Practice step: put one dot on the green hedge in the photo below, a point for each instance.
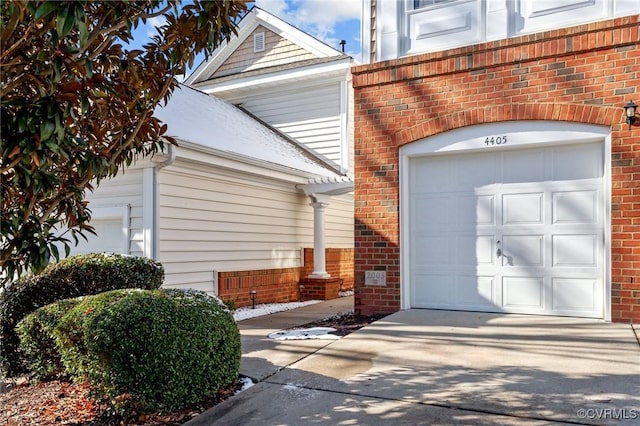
(72, 277)
(38, 341)
(163, 349)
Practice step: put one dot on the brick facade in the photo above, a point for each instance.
(582, 74)
(283, 285)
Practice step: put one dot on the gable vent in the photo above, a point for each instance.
(258, 42)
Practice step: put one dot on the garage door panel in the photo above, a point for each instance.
(429, 173)
(474, 292)
(475, 250)
(578, 162)
(525, 294)
(577, 251)
(519, 209)
(432, 250)
(574, 295)
(523, 168)
(475, 210)
(473, 171)
(523, 250)
(433, 290)
(432, 213)
(575, 207)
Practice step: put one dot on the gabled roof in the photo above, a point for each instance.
(209, 122)
(255, 18)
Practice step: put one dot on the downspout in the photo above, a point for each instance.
(151, 204)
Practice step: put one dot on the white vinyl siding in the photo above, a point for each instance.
(222, 220)
(311, 115)
(124, 190)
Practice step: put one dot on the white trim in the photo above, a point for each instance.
(311, 73)
(520, 134)
(607, 227)
(205, 155)
(344, 126)
(148, 211)
(365, 32)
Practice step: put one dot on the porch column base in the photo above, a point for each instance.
(320, 288)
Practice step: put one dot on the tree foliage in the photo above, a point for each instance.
(77, 105)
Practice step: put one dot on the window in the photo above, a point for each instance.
(112, 228)
(417, 4)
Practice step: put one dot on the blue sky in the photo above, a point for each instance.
(327, 20)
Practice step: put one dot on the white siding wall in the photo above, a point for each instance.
(221, 220)
(311, 115)
(123, 190)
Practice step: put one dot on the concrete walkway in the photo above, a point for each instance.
(440, 368)
(263, 357)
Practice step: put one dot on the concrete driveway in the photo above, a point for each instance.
(443, 367)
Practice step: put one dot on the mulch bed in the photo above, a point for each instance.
(345, 323)
(64, 403)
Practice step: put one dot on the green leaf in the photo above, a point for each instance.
(84, 34)
(45, 8)
(64, 22)
(88, 67)
(46, 130)
(54, 251)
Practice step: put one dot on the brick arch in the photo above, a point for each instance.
(586, 114)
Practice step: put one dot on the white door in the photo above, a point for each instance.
(518, 231)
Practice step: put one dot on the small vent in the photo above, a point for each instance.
(258, 42)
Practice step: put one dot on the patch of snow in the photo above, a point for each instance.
(299, 392)
(268, 308)
(346, 293)
(246, 384)
(305, 334)
(191, 115)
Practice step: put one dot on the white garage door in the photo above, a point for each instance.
(518, 231)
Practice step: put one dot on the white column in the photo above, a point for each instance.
(319, 262)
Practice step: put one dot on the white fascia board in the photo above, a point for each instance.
(338, 69)
(204, 155)
(245, 27)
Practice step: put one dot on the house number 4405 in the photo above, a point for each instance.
(495, 140)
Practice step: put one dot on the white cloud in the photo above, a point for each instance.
(153, 23)
(316, 17)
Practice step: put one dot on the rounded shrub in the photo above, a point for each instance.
(154, 350)
(38, 342)
(71, 277)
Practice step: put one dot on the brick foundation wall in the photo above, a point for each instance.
(320, 288)
(282, 285)
(271, 286)
(582, 74)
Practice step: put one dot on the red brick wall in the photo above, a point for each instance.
(282, 285)
(339, 262)
(580, 74)
(271, 285)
